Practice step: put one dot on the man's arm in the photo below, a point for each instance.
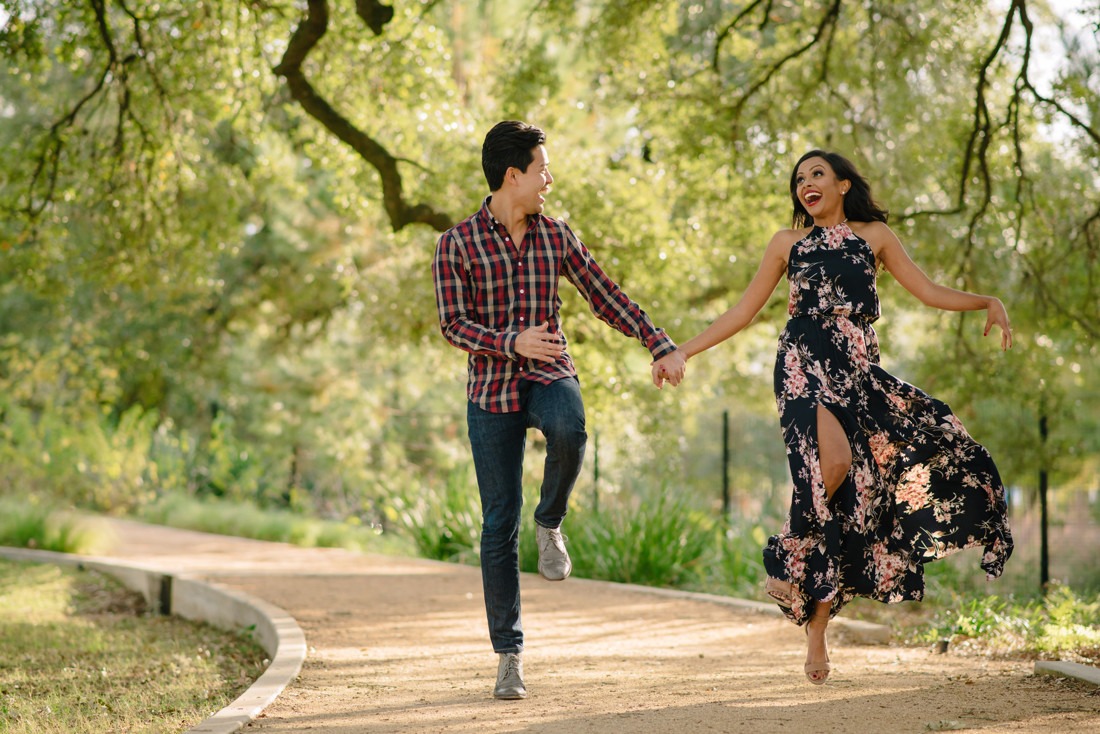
(608, 301)
(453, 300)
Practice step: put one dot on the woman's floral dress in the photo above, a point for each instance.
(919, 487)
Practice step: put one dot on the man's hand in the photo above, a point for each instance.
(538, 343)
(670, 367)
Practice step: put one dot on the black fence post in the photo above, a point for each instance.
(596, 472)
(725, 462)
(1044, 547)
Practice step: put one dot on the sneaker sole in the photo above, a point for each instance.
(559, 578)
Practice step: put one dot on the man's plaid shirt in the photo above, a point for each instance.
(487, 291)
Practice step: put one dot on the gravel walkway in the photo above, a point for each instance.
(400, 645)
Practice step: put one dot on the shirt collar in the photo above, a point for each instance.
(490, 222)
(486, 216)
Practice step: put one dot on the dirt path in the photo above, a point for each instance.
(400, 645)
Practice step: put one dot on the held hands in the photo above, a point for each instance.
(670, 367)
(538, 343)
(997, 315)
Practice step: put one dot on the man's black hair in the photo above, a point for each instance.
(510, 144)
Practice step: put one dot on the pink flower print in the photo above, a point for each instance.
(955, 425)
(887, 567)
(794, 546)
(792, 299)
(817, 487)
(796, 567)
(913, 487)
(990, 494)
(864, 483)
(882, 449)
(942, 511)
(795, 382)
(859, 358)
(835, 236)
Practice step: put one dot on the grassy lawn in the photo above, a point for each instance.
(80, 654)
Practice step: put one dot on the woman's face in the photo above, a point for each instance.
(818, 189)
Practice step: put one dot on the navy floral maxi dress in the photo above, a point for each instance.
(919, 487)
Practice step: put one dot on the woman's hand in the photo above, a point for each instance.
(997, 315)
(670, 367)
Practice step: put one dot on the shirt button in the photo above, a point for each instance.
(521, 318)
(521, 291)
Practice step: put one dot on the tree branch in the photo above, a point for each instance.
(733, 24)
(302, 42)
(828, 22)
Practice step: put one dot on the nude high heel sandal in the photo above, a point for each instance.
(781, 591)
(814, 669)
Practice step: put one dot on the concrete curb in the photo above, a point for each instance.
(1085, 673)
(864, 633)
(190, 598)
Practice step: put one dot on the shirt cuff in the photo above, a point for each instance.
(508, 344)
(661, 345)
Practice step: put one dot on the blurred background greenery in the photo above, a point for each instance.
(216, 307)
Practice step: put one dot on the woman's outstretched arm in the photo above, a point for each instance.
(772, 266)
(892, 255)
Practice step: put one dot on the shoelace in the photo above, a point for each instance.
(554, 539)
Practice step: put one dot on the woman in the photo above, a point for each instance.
(885, 477)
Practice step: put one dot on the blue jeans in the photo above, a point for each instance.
(498, 441)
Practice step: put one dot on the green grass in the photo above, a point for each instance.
(29, 524)
(653, 540)
(78, 655)
(247, 520)
(649, 536)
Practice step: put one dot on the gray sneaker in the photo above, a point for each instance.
(510, 677)
(554, 563)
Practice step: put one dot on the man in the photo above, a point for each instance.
(496, 286)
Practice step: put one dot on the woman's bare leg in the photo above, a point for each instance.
(833, 451)
(817, 649)
(835, 454)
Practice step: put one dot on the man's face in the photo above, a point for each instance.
(533, 184)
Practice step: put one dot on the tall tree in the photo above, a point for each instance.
(213, 208)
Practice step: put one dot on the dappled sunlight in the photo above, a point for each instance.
(391, 652)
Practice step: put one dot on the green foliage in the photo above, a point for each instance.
(247, 520)
(652, 537)
(1060, 624)
(83, 460)
(444, 523)
(734, 564)
(202, 294)
(26, 524)
(655, 539)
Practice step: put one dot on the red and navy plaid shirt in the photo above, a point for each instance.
(488, 291)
